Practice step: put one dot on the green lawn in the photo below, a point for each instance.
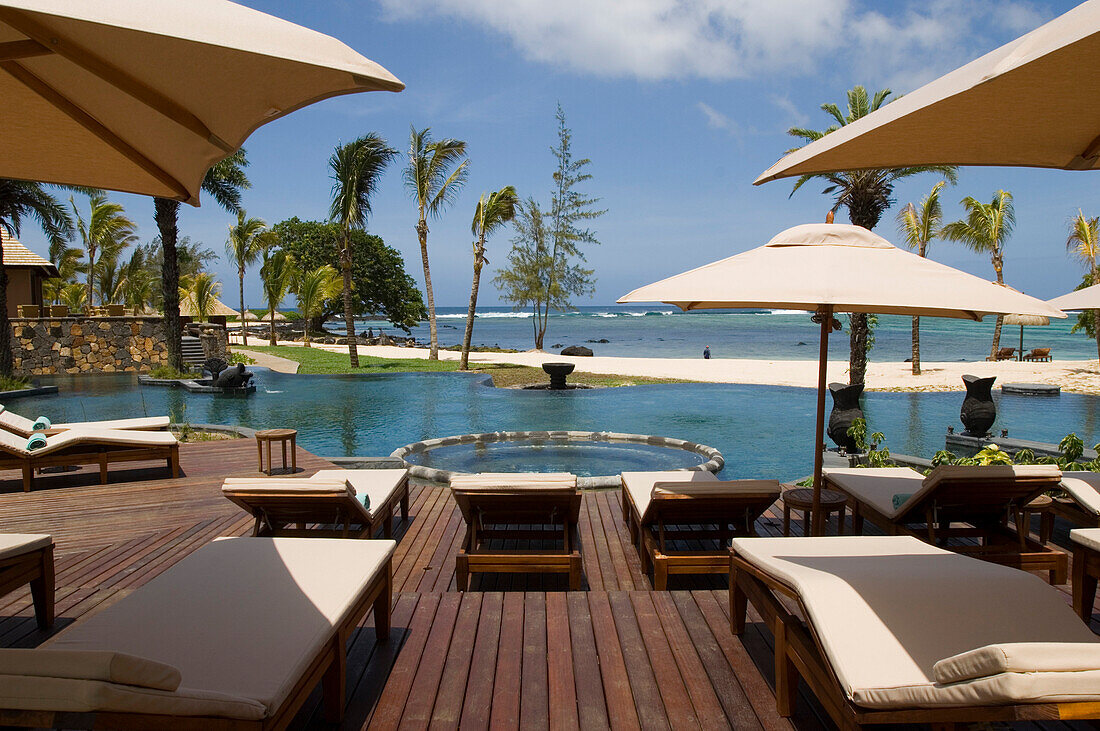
(315, 360)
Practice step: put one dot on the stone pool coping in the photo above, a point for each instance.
(714, 462)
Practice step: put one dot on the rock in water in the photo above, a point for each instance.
(576, 350)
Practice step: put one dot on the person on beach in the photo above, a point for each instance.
(706, 353)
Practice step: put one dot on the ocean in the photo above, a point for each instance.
(664, 331)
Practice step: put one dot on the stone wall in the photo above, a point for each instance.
(87, 344)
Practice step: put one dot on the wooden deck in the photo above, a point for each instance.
(516, 651)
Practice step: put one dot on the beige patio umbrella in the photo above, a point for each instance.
(279, 317)
(144, 97)
(187, 308)
(1079, 299)
(829, 268)
(1025, 321)
(1034, 102)
(250, 316)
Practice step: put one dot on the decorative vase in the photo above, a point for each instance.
(978, 410)
(845, 411)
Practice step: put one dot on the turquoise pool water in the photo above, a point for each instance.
(762, 431)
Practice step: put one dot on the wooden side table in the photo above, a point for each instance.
(802, 498)
(1042, 506)
(284, 437)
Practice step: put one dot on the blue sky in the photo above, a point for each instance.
(678, 104)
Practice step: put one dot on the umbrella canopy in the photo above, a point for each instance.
(250, 316)
(831, 268)
(1032, 103)
(1022, 320)
(187, 308)
(1081, 299)
(279, 317)
(113, 95)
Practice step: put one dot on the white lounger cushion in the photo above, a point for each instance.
(491, 481)
(639, 485)
(1084, 488)
(378, 486)
(241, 618)
(888, 608)
(87, 435)
(112, 667)
(877, 486)
(1087, 537)
(16, 544)
(1019, 657)
(25, 427)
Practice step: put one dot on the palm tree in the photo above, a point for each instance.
(431, 180)
(107, 228)
(918, 225)
(21, 199)
(865, 193)
(201, 291)
(67, 259)
(276, 273)
(1084, 243)
(223, 182)
(243, 247)
(493, 211)
(985, 230)
(74, 295)
(312, 288)
(356, 168)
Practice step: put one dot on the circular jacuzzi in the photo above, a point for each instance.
(596, 458)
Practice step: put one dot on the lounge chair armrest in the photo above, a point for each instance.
(111, 667)
(716, 488)
(1018, 657)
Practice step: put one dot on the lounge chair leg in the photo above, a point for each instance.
(575, 572)
(660, 573)
(28, 477)
(382, 608)
(42, 591)
(1084, 587)
(462, 572)
(334, 681)
(174, 460)
(786, 519)
(857, 522)
(387, 524)
(405, 504)
(102, 468)
(786, 674)
(739, 603)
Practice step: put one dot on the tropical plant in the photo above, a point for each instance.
(523, 281)
(356, 168)
(918, 226)
(74, 295)
(493, 211)
(106, 228)
(985, 230)
(435, 173)
(866, 194)
(223, 182)
(276, 273)
(137, 281)
(243, 247)
(312, 287)
(1084, 243)
(380, 285)
(201, 293)
(20, 199)
(67, 259)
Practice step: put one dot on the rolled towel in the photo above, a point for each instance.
(901, 498)
(36, 441)
(41, 424)
(364, 500)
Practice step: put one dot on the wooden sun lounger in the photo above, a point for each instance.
(1086, 570)
(546, 506)
(661, 508)
(957, 502)
(24, 427)
(235, 637)
(890, 630)
(27, 558)
(1037, 355)
(88, 446)
(329, 504)
(1080, 501)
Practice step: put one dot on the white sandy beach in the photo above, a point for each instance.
(1072, 375)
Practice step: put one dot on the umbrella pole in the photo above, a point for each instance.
(1020, 354)
(825, 314)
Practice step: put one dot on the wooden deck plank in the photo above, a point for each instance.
(477, 705)
(391, 706)
(648, 699)
(456, 671)
(674, 694)
(534, 708)
(429, 671)
(561, 686)
(507, 682)
(592, 710)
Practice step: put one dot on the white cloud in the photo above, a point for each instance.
(729, 39)
(797, 116)
(717, 120)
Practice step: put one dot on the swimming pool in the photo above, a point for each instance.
(763, 431)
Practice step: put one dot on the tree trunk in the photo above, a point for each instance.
(1096, 313)
(433, 340)
(857, 341)
(7, 365)
(91, 274)
(998, 266)
(244, 323)
(465, 361)
(271, 317)
(167, 216)
(349, 319)
(916, 346)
